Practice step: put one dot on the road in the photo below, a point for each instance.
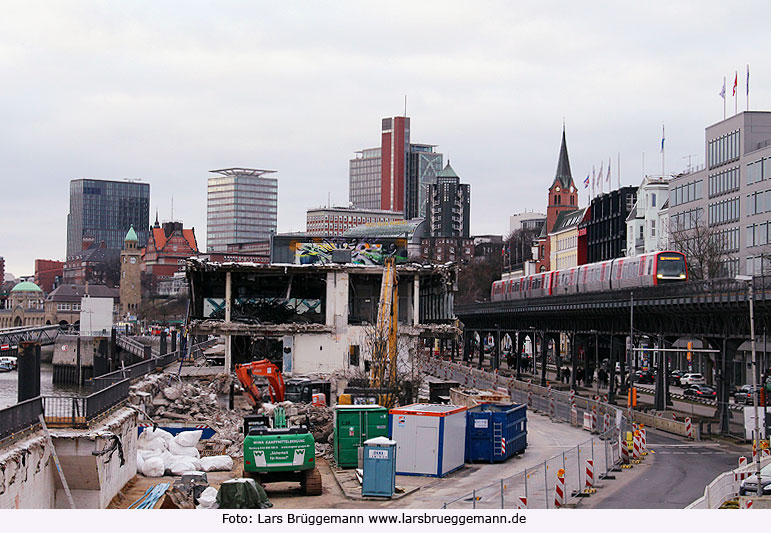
(672, 476)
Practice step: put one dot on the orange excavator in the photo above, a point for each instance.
(248, 371)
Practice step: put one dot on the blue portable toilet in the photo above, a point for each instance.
(379, 467)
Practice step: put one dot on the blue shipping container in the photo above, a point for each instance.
(495, 432)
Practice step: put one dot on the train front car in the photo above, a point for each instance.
(670, 268)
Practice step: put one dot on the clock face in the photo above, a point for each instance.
(133, 260)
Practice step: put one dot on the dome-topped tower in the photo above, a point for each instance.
(130, 274)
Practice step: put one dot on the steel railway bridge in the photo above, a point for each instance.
(714, 311)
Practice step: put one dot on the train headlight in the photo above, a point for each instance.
(659, 276)
(682, 276)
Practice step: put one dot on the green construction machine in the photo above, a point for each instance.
(274, 452)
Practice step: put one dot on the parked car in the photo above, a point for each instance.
(750, 485)
(645, 376)
(744, 395)
(700, 391)
(692, 379)
(674, 377)
(5, 367)
(9, 360)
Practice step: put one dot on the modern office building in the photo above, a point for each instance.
(448, 205)
(528, 221)
(396, 175)
(242, 206)
(102, 211)
(731, 196)
(364, 179)
(606, 224)
(338, 220)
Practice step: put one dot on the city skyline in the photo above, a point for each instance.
(150, 95)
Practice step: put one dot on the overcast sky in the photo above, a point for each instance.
(166, 91)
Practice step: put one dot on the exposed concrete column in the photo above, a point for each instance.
(228, 310)
(558, 356)
(544, 350)
(519, 345)
(659, 397)
(416, 301)
(573, 360)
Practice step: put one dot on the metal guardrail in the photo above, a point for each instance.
(725, 487)
(20, 417)
(107, 398)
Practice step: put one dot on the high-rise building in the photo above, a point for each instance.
(448, 205)
(364, 179)
(242, 206)
(103, 211)
(606, 224)
(395, 176)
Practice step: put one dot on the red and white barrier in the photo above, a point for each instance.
(765, 453)
(589, 474)
(572, 397)
(643, 440)
(503, 446)
(742, 461)
(559, 489)
(606, 426)
(636, 446)
(624, 450)
(674, 417)
(688, 428)
(747, 504)
(594, 419)
(522, 502)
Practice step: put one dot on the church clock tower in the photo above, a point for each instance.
(130, 278)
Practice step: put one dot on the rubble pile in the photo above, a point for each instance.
(319, 417)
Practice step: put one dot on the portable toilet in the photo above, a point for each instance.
(430, 438)
(495, 432)
(379, 467)
(353, 425)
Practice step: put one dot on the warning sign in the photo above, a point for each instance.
(378, 454)
(401, 420)
(480, 423)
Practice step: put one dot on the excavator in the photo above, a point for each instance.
(302, 390)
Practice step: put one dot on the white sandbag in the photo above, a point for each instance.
(188, 438)
(208, 499)
(176, 449)
(184, 463)
(167, 458)
(147, 454)
(157, 445)
(140, 462)
(217, 463)
(154, 433)
(153, 467)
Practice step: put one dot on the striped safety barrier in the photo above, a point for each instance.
(559, 489)
(688, 428)
(636, 446)
(589, 474)
(572, 397)
(606, 426)
(643, 441)
(503, 446)
(522, 502)
(624, 452)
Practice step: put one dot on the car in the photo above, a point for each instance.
(5, 367)
(644, 376)
(674, 377)
(750, 485)
(744, 395)
(9, 360)
(700, 391)
(692, 378)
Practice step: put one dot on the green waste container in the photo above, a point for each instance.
(353, 425)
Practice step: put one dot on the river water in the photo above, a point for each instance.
(9, 386)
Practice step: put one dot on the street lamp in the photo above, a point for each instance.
(755, 394)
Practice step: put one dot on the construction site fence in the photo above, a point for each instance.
(725, 487)
(537, 484)
(20, 417)
(541, 397)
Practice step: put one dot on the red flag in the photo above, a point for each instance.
(736, 82)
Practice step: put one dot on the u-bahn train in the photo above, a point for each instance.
(624, 272)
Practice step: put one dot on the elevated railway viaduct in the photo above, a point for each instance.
(715, 312)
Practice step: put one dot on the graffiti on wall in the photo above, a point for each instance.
(363, 252)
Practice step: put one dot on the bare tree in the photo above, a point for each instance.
(703, 246)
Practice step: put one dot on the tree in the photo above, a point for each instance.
(476, 278)
(518, 247)
(703, 246)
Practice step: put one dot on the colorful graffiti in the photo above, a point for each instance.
(362, 252)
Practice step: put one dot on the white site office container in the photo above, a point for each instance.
(430, 438)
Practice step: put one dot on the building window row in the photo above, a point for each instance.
(759, 264)
(724, 149)
(682, 194)
(727, 239)
(683, 221)
(759, 170)
(724, 182)
(758, 202)
(757, 234)
(724, 212)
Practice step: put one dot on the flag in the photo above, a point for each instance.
(662, 138)
(586, 181)
(608, 176)
(722, 91)
(748, 81)
(599, 177)
(736, 82)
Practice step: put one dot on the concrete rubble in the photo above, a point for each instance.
(164, 398)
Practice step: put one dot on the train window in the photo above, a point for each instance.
(650, 266)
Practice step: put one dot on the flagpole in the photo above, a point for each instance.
(736, 96)
(723, 97)
(618, 171)
(748, 86)
(662, 150)
(590, 201)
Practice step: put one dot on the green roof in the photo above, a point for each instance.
(131, 235)
(448, 172)
(26, 286)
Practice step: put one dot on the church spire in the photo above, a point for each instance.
(157, 225)
(564, 177)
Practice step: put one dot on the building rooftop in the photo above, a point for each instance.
(238, 171)
(394, 229)
(131, 235)
(26, 286)
(73, 293)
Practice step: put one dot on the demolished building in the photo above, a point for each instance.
(314, 318)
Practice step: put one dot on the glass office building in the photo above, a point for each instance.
(103, 211)
(241, 206)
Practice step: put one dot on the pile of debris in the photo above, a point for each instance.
(318, 417)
